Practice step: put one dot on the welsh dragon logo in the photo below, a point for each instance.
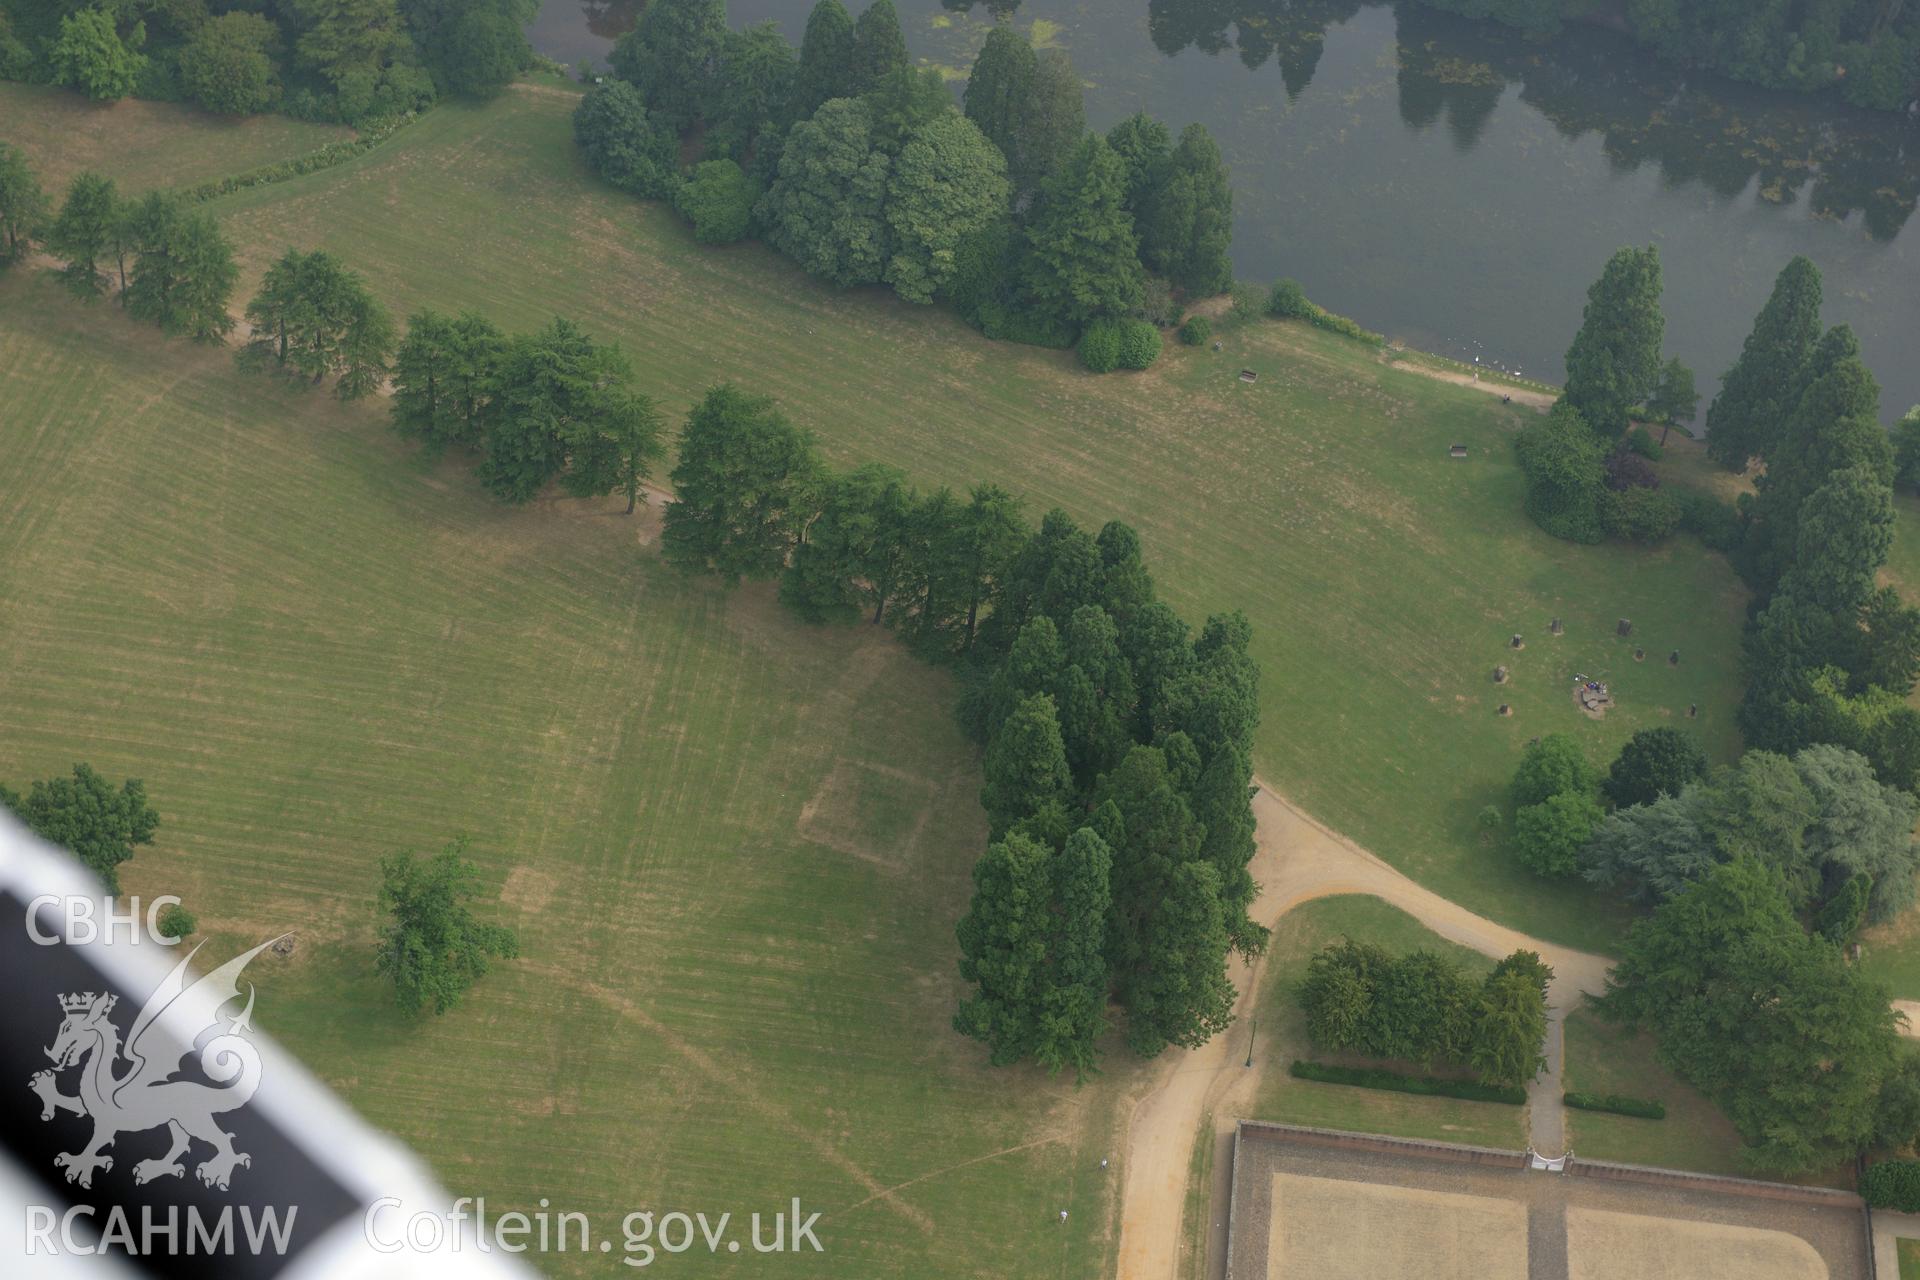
(143, 1094)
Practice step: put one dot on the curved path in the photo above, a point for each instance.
(1298, 859)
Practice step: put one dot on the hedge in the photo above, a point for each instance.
(1288, 301)
(334, 153)
(1644, 1108)
(1893, 1184)
(1381, 1078)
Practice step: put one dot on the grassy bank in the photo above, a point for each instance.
(1383, 578)
(734, 847)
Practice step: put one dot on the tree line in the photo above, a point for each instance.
(165, 261)
(861, 169)
(341, 60)
(1422, 1007)
(1117, 743)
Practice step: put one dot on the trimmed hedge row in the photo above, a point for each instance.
(1618, 1104)
(1892, 1184)
(1381, 1078)
(333, 153)
(1289, 301)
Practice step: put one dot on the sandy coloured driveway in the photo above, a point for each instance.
(1298, 859)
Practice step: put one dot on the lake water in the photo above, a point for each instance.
(1458, 186)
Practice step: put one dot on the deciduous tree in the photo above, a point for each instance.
(948, 183)
(432, 946)
(1654, 762)
(23, 205)
(746, 483)
(623, 143)
(91, 56)
(184, 274)
(445, 374)
(83, 232)
(826, 210)
(225, 68)
(1769, 1022)
(86, 816)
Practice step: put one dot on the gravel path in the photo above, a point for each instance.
(1298, 859)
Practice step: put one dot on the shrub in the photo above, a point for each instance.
(718, 200)
(326, 157)
(1289, 301)
(1325, 319)
(1139, 344)
(1196, 331)
(1618, 1104)
(1561, 459)
(160, 78)
(1906, 452)
(1548, 836)
(1100, 346)
(1431, 1086)
(1249, 302)
(1628, 470)
(1714, 522)
(225, 67)
(622, 144)
(1641, 441)
(177, 922)
(1639, 515)
(1156, 303)
(1010, 324)
(1893, 1184)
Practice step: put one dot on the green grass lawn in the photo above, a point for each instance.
(1909, 1259)
(1601, 1058)
(1382, 577)
(144, 144)
(1282, 1034)
(738, 971)
(1605, 1059)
